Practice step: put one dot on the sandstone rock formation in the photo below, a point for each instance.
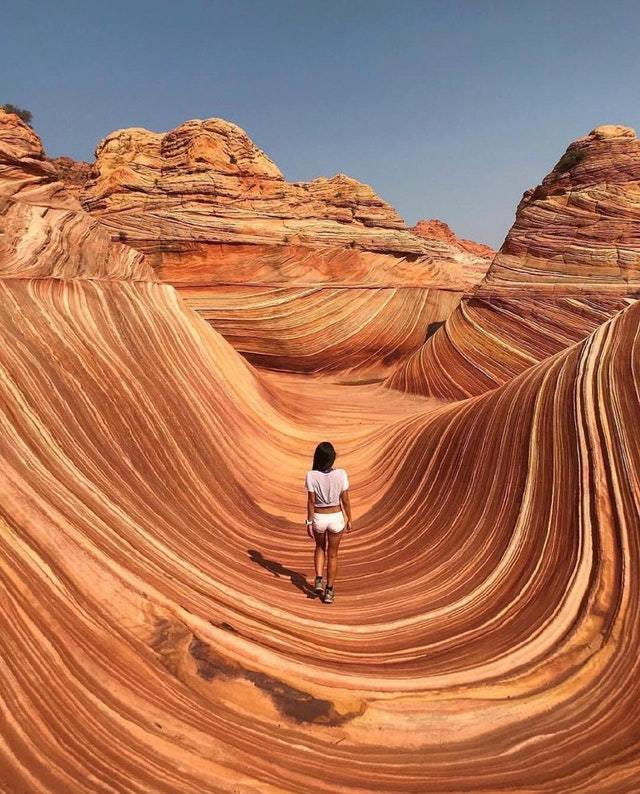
(74, 173)
(435, 229)
(474, 268)
(155, 633)
(206, 181)
(315, 276)
(43, 229)
(570, 261)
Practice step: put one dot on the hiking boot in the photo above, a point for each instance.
(327, 598)
(318, 585)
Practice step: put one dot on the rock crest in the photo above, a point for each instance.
(570, 261)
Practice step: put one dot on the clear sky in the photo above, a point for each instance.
(449, 109)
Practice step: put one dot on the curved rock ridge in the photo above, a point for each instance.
(216, 218)
(581, 226)
(155, 630)
(570, 261)
(356, 333)
(43, 229)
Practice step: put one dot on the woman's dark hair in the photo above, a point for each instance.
(324, 456)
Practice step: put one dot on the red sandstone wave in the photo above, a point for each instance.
(155, 632)
(483, 615)
(570, 261)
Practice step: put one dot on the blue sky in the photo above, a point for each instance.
(448, 109)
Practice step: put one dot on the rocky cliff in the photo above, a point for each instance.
(43, 229)
(570, 261)
(319, 276)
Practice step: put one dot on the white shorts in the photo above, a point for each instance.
(328, 522)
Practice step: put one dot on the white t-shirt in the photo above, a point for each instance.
(327, 487)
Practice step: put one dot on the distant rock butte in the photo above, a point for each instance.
(476, 267)
(580, 228)
(570, 261)
(435, 229)
(216, 162)
(206, 182)
(316, 276)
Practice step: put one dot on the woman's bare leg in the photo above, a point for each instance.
(333, 543)
(319, 555)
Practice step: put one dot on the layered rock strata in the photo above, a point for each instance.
(277, 266)
(435, 229)
(570, 261)
(156, 631)
(43, 229)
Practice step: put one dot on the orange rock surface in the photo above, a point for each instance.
(74, 173)
(475, 268)
(435, 229)
(570, 261)
(43, 228)
(276, 266)
(156, 633)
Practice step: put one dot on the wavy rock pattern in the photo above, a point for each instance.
(155, 633)
(486, 630)
(324, 330)
(211, 211)
(43, 229)
(571, 260)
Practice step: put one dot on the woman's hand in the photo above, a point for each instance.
(310, 531)
(349, 526)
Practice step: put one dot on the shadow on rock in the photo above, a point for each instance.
(277, 569)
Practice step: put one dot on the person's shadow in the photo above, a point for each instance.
(277, 569)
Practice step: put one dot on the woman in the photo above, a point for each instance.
(327, 490)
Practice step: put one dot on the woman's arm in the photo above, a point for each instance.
(346, 508)
(311, 505)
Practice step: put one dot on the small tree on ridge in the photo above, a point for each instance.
(25, 115)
